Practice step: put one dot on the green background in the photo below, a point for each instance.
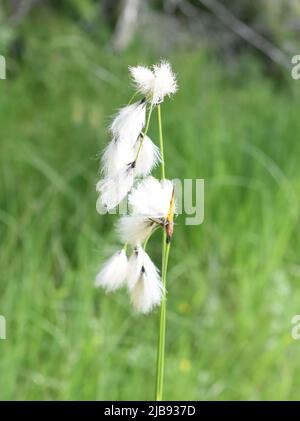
(233, 283)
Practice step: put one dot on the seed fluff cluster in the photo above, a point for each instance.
(126, 165)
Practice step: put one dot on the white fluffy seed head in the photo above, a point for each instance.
(143, 79)
(155, 84)
(113, 189)
(165, 81)
(134, 266)
(151, 198)
(134, 229)
(129, 122)
(150, 203)
(120, 169)
(113, 273)
(148, 157)
(144, 282)
(116, 157)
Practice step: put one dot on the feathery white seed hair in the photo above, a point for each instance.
(113, 273)
(155, 84)
(129, 122)
(165, 81)
(134, 229)
(116, 156)
(150, 204)
(119, 169)
(143, 79)
(151, 197)
(148, 158)
(144, 282)
(113, 189)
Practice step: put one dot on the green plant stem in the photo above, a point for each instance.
(132, 98)
(162, 318)
(161, 143)
(146, 241)
(145, 132)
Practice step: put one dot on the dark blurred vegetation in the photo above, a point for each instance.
(187, 22)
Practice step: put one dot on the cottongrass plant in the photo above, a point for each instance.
(126, 165)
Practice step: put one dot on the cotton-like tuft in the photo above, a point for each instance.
(144, 282)
(132, 155)
(134, 266)
(148, 157)
(143, 79)
(156, 84)
(113, 273)
(134, 229)
(113, 189)
(129, 122)
(116, 157)
(151, 198)
(165, 82)
(150, 204)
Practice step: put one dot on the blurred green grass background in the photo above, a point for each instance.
(233, 281)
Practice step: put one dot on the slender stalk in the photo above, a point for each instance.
(132, 98)
(146, 241)
(165, 257)
(138, 152)
(145, 132)
(161, 143)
